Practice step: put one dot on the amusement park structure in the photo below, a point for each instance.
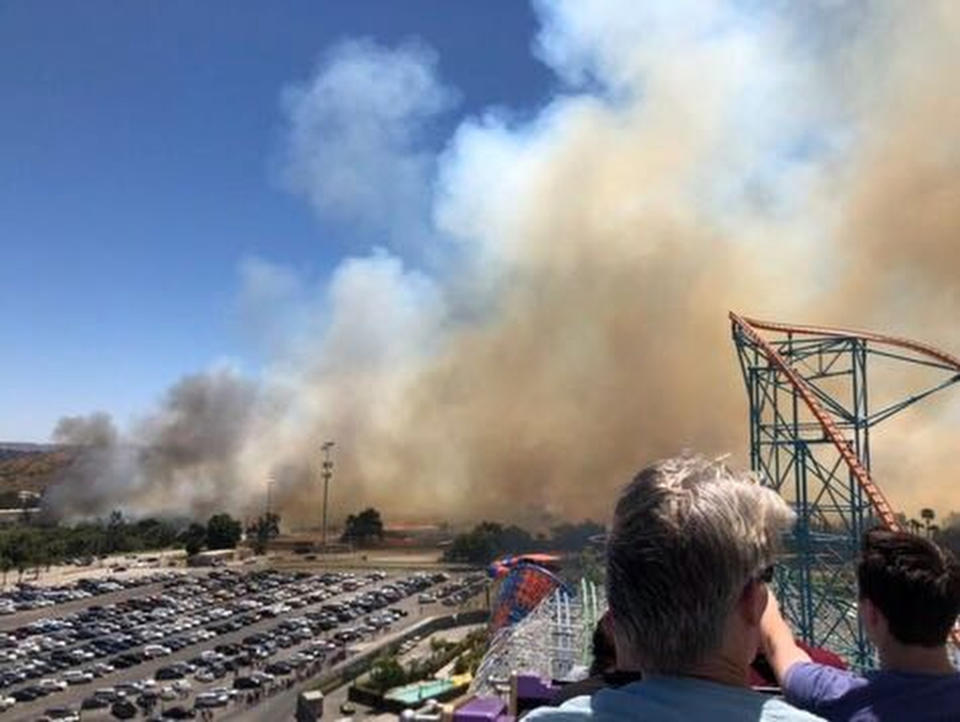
(810, 423)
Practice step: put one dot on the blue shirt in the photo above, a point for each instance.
(672, 699)
(839, 695)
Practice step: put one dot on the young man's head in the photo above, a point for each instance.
(687, 560)
(909, 589)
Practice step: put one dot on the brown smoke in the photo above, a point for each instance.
(572, 321)
(899, 236)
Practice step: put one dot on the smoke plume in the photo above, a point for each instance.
(544, 306)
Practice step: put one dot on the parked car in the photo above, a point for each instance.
(52, 685)
(179, 713)
(62, 714)
(77, 676)
(155, 650)
(206, 700)
(123, 709)
(94, 702)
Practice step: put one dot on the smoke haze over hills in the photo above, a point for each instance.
(547, 309)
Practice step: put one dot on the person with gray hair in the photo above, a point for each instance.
(688, 559)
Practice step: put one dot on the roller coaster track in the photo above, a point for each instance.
(751, 328)
(904, 343)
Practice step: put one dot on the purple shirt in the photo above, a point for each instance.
(840, 696)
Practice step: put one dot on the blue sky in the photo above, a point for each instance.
(136, 146)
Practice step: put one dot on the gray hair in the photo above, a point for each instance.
(687, 535)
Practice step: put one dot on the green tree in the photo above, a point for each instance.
(115, 536)
(6, 564)
(592, 566)
(22, 551)
(488, 540)
(928, 515)
(263, 530)
(154, 533)
(223, 532)
(574, 537)
(387, 673)
(949, 534)
(363, 528)
(193, 538)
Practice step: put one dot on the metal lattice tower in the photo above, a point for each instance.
(810, 423)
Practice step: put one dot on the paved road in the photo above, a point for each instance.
(74, 695)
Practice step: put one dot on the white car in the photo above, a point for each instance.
(6, 703)
(77, 676)
(206, 700)
(167, 693)
(182, 685)
(204, 676)
(52, 685)
(262, 677)
(155, 650)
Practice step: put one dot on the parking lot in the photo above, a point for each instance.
(179, 645)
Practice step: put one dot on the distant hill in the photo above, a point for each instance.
(32, 467)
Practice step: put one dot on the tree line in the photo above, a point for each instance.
(488, 540)
(24, 547)
(36, 546)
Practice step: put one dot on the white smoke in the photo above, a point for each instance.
(355, 138)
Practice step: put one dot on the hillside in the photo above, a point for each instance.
(31, 467)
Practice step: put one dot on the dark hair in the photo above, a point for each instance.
(604, 650)
(914, 582)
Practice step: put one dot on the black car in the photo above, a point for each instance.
(94, 703)
(26, 694)
(179, 713)
(59, 713)
(246, 683)
(122, 709)
(278, 669)
(147, 700)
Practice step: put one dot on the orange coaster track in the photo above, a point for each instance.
(751, 328)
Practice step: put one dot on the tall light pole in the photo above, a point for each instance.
(268, 505)
(326, 471)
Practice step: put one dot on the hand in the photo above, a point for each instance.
(776, 640)
(772, 624)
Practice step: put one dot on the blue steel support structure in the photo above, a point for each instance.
(810, 424)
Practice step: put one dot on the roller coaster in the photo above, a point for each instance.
(810, 424)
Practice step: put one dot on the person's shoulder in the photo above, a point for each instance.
(777, 710)
(577, 708)
(808, 684)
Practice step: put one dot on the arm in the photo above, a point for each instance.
(776, 641)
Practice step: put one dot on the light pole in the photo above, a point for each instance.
(326, 471)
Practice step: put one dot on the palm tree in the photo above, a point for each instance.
(928, 516)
